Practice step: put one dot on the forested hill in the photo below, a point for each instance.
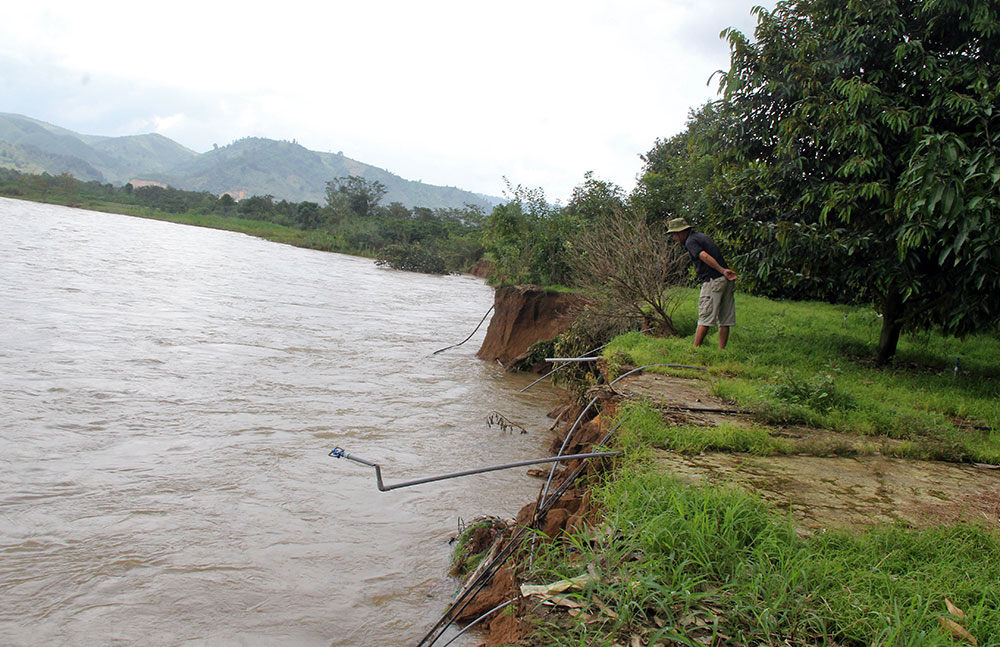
(251, 166)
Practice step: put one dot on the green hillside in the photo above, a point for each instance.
(141, 154)
(287, 170)
(34, 146)
(247, 167)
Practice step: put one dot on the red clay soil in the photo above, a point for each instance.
(523, 315)
(571, 511)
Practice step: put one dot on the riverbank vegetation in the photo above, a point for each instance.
(668, 562)
(671, 563)
(352, 222)
(851, 173)
(675, 564)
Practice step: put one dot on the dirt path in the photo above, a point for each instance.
(823, 491)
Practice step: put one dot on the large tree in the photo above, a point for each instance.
(678, 178)
(357, 194)
(862, 140)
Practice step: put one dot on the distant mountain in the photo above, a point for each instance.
(251, 166)
(34, 146)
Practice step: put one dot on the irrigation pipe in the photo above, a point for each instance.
(340, 453)
(732, 412)
(569, 434)
(480, 618)
(470, 335)
(562, 366)
(585, 357)
(487, 572)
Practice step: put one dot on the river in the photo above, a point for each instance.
(168, 398)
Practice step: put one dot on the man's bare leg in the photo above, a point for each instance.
(699, 335)
(723, 336)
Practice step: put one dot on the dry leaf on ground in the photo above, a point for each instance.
(957, 631)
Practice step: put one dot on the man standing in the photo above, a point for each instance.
(716, 305)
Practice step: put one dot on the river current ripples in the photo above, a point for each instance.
(168, 397)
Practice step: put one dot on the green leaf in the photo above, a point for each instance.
(935, 198)
(949, 200)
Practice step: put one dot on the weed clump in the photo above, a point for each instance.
(819, 393)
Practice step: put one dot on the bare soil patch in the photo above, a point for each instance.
(839, 492)
(831, 491)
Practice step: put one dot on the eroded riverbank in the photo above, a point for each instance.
(856, 492)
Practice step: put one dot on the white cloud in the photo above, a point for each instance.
(448, 92)
(165, 125)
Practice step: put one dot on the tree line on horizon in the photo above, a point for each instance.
(353, 221)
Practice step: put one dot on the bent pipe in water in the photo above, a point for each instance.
(337, 452)
(472, 589)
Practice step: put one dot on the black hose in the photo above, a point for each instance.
(470, 335)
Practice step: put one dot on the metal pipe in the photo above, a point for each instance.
(337, 452)
(572, 359)
(480, 619)
(562, 366)
(569, 434)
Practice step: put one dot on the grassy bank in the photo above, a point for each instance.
(680, 565)
(671, 563)
(811, 363)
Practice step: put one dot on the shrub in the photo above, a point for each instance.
(411, 258)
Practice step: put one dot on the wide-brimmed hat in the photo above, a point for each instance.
(675, 225)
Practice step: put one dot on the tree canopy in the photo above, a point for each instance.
(356, 194)
(861, 142)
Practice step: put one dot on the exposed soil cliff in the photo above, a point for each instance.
(523, 315)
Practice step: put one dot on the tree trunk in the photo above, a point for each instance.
(892, 325)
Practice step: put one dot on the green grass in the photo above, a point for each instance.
(643, 426)
(715, 564)
(811, 363)
(677, 563)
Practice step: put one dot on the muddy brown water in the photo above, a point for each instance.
(168, 396)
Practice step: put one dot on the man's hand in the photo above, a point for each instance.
(714, 264)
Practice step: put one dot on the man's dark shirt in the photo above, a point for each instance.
(695, 244)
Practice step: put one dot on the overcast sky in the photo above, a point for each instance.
(453, 93)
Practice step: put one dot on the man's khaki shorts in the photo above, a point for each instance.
(716, 306)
